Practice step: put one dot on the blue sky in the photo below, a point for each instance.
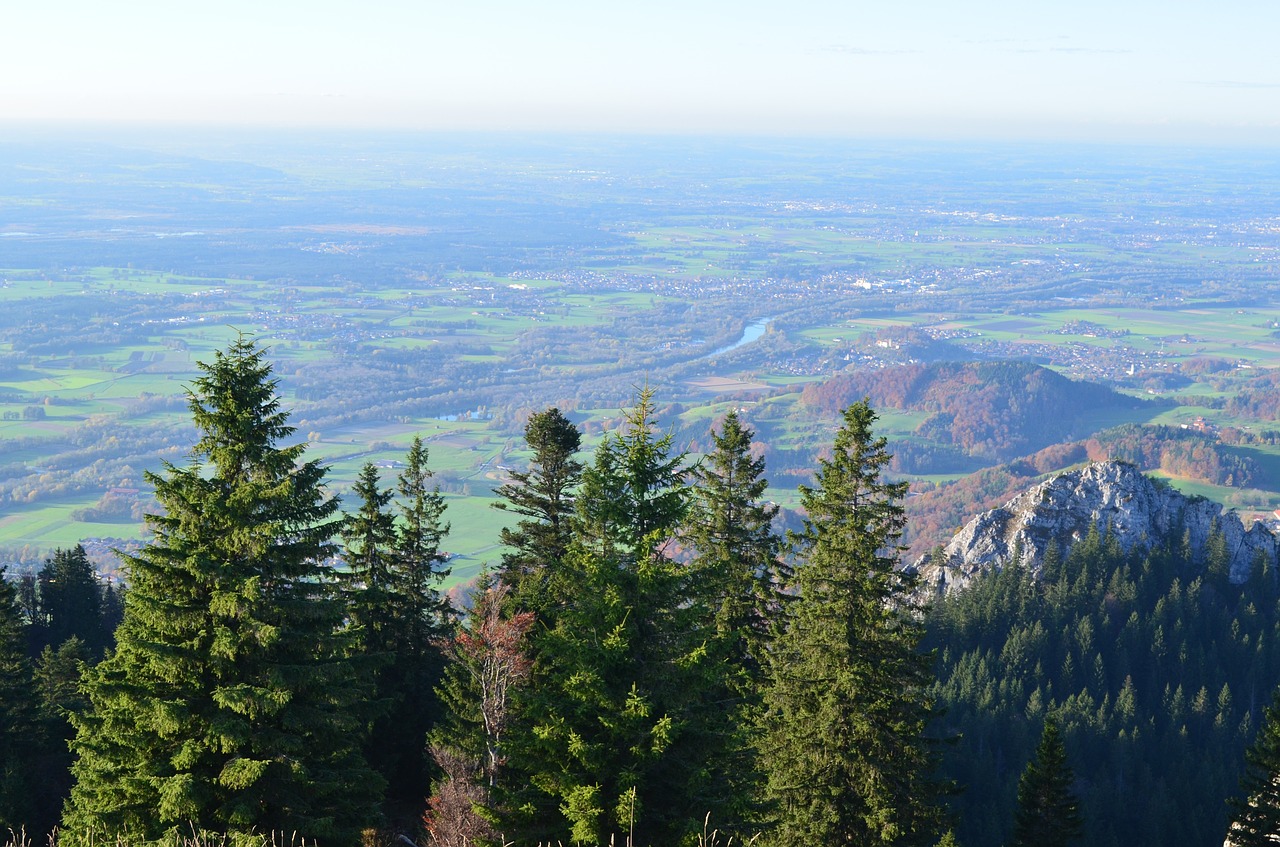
(1118, 70)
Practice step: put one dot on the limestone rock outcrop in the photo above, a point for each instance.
(1064, 509)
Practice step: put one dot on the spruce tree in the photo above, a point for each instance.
(1255, 812)
(1048, 812)
(398, 611)
(543, 498)
(736, 588)
(737, 569)
(369, 548)
(610, 740)
(229, 704)
(633, 496)
(19, 718)
(420, 564)
(369, 540)
(843, 741)
(71, 602)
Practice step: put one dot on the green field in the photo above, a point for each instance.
(483, 320)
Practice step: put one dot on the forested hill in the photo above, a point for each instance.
(992, 410)
(1157, 667)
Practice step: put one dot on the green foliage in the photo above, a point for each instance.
(736, 588)
(369, 538)
(66, 600)
(423, 617)
(1152, 666)
(229, 704)
(737, 565)
(1048, 813)
(396, 608)
(19, 717)
(843, 738)
(617, 734)
(543, 497)
(633, 496)
(1255, 812)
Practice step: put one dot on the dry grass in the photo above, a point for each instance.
(708, 838)
(196, 839)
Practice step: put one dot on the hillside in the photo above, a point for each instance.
(1143, 620)
(993, 411)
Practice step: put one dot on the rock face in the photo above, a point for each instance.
(1064, 509)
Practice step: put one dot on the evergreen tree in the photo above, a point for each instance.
(58, 674)
(633, 496)
(19, 717)
(1255, 812)
(543, 497)
(397, 608)
(736, 563)
(1048, 812)
(610, 742)
(369, 538)
(736, 588)
(65, 599)
(843, 741)
(425, 613)
(71, 602)
(230, 702)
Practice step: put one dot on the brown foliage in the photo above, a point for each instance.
(452, 818)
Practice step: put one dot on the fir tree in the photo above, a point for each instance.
(369, 539)
(425, 613)
(229, 704)
(1048, 812)
(543, 498)
(843, 741)
(633, 496)
(19, 717)
(1255, 812)
(735, 586)
(730, 526)
(71, 602)
(401, 615)
(611, 740)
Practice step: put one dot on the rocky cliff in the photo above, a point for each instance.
(1064, 508)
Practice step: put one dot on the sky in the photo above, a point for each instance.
(1114, 70)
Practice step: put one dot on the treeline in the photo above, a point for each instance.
(1179, 452)
(1157, 668)
(649, 656)
(54, 624)
(641, 659)
(990, 410)
(1258, 398)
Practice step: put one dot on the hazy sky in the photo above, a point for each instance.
(1121, 69)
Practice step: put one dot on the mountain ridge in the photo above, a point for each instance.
(1112, 495)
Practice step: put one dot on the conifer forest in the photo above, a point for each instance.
(652, 661)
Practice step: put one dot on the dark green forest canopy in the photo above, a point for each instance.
(1155, 665)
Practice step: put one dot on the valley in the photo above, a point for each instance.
(450, 287)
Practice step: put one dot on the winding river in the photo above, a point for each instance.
(751, 333)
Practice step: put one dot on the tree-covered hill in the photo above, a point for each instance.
(993, 411)
(1157, 667)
